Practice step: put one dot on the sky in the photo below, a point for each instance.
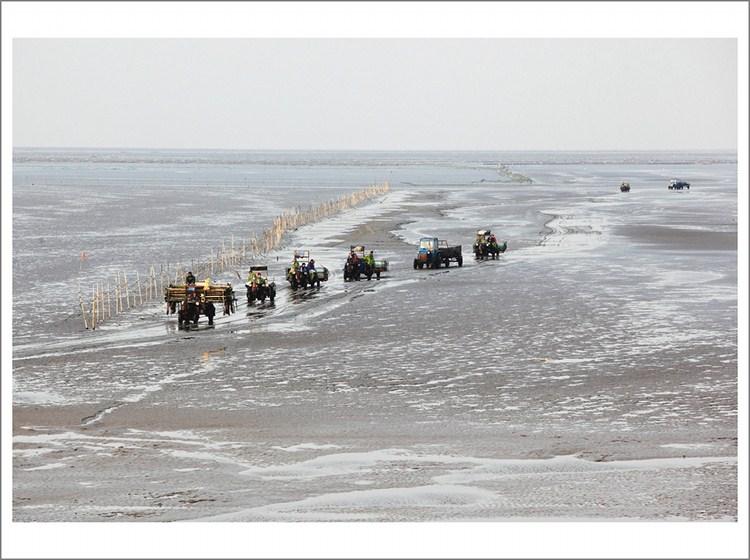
(376, 94)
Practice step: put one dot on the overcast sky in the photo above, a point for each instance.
(451, 94)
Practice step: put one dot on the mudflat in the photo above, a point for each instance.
(558, 382)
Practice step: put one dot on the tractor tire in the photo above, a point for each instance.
(416, 264)
(460, 261)
(378, 275)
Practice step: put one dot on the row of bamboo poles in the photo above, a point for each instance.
(123, 292)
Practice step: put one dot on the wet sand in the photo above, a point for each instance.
(505, 389)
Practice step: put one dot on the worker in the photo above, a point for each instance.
(251, 277)
(311, 265)
(294, 267)
(370, 259)
(190, 279)
(260, 279)
(207, 283)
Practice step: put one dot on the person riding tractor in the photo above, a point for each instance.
(370, 260)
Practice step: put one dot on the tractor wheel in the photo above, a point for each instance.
(378, 275)
(416, 264)
(460, 261)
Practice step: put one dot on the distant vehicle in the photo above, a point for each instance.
(190, 301)
(305, 275)
(486, 245)
(262, 288)
(433, 252)
(677, 185)
(625, 187)
(355, 268)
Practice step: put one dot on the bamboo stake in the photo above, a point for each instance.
(118, 295)
(127, 291)
(93, 309)
(109, 308)
(138, 281)
(83, 310)
(98, 301)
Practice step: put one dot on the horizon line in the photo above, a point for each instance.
(378, 149)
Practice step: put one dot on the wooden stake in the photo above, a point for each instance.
(118, 294)
(138, 280)
(127, 291)
(83, 310)
(93, 309)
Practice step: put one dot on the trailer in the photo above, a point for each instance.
(259, 286)
(190, 301)
(304, 275)
(433, 252)
(487, 246)
(354, 269)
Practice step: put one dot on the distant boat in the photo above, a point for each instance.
(625, 187)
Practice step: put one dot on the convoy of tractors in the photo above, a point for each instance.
(193, 299)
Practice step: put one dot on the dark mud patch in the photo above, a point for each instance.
(680, 239)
